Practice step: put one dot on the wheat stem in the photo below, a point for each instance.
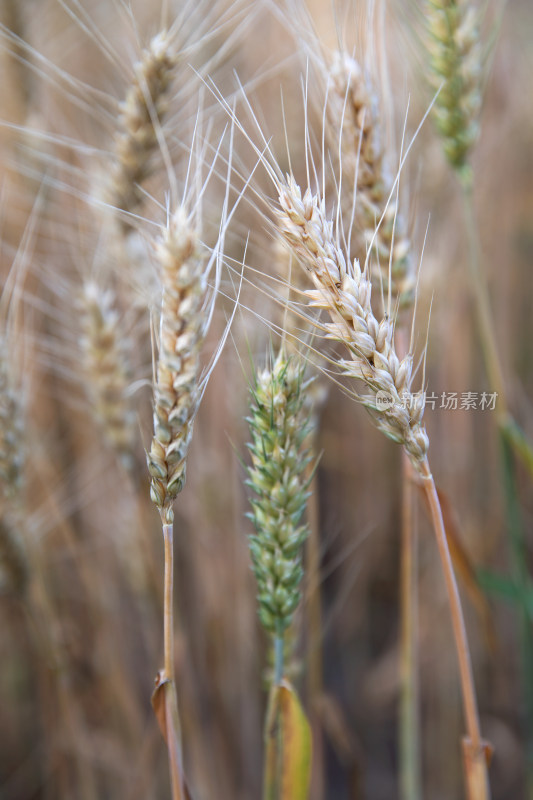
(278, 658)
(168, 611)
(474, 750)
(172, 717)
(409, 740)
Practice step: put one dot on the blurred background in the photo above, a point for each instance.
(81, 557)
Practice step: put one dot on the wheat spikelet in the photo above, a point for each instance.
(279, 482)
(177, 391)
(456, 65)
(344, 291)
(353, 127)
(145, 104)
(106, 370)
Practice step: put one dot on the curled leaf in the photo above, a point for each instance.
(165, 707)
(287, 747)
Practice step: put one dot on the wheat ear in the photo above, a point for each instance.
(106, 370)
(345, 292)
(144, 107)
(177, 390)
(278, 479)
(455, 73)
(353, 128)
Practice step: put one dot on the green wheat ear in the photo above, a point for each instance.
(455, 70)
(279, 479)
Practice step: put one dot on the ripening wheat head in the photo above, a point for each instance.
(344, 291)
(185, 315)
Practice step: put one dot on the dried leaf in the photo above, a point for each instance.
(466, 571)
(165, 708)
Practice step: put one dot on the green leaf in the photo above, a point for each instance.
(517, 439)
(501, 585)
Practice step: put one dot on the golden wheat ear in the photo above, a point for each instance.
(183, 326)
(344, 291)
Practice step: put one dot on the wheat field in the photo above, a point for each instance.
(239, 242)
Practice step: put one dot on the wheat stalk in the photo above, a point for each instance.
(345, 292)
(186, 310)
